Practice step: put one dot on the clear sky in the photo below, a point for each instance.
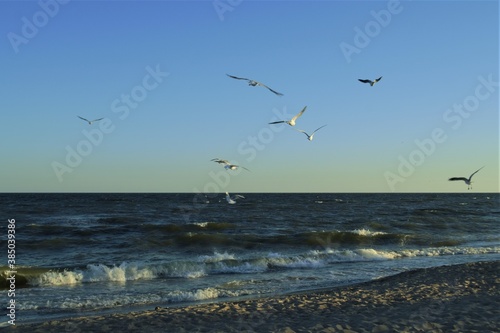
(156, 72)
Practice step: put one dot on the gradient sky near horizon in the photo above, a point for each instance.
(156, 71)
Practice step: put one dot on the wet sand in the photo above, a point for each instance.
(458, 298)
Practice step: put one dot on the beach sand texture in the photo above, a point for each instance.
(457, 298)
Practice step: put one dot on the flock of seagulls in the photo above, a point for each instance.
(292, 122)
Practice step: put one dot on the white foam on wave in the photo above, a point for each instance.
(369, 254)
(197, 295)
(366, 232)
(226, 263)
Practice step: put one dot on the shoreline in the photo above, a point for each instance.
(456, 298)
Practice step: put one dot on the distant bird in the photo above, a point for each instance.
(370, 81)
(227, 165)
(232, 200)
(254, 83)
(467, 181)
(291, 122)
(310, 137)
(90, 121)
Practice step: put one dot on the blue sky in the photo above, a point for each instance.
(156, 71)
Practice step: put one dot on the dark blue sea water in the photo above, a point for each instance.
(78, 254)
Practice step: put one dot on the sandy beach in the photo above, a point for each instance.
(458, 298)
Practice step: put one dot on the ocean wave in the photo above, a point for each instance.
(224, 263)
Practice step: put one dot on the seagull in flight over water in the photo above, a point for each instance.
(370, 81)
(291, 122)
(90, 121)
(232, 200)
(254, 83)
(467, 181)
(227, 165)
(310, 137)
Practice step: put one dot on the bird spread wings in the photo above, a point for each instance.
(466, 179)
(90, 121)
(370, 81)
(255, 83)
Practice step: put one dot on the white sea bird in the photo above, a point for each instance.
(232, 200)
(291, 122)
(467, 181)
(254, 83)
(90, 121)
(227, 165)
(310, 137)
(370, 81)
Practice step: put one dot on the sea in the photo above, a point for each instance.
(82, 254)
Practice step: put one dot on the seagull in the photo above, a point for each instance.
(291, 122)
(310, 137)
(254, 83)
(232, 200)
(90, 121)
(227, 165)
(370, 81)
(467, 180)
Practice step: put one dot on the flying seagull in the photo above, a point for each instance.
(291, 122)
(467, 181)
(254, 83)
(310, 137)
(232, 200)
(227, 165)
(90, 121)
(370, 81)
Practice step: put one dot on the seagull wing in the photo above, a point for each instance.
(274, 91)
(475, 173)
(458, 178)
(218, 160)
(302, 131)
(97, 119)
(83, 119)
(278, 122)
(237, 78)
(378, 79)
(238, 196)
(317, 129)
(299, 114)
(364, 81)
(243, 168)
